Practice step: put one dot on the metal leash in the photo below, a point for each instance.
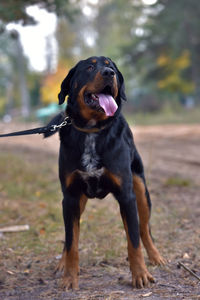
(67, 121)
(40, 130)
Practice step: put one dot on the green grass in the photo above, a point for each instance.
(177, 181)
(30, 193)
(166, 116)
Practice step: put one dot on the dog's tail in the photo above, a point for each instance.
(58, 119)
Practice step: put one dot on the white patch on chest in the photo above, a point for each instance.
(90, 158)
(90, 162)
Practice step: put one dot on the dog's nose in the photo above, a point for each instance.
(108, 72)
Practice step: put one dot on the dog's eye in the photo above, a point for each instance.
(90, 68)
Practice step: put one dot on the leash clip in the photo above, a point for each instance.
(67, 121)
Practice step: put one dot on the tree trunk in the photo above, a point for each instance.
(25, 99)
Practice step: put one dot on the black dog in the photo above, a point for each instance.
(97, 157)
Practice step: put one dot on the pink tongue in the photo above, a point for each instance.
(108, 104)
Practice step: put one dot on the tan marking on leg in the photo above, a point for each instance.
(114, 178)
(70, 259)
(83, 201)
(144, 215)
(70, 179)
(140, 275)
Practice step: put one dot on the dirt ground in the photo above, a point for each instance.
(171, 155)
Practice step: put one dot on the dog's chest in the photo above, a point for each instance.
(90, 159)
(92, 169)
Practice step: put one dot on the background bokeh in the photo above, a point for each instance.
(156, 45)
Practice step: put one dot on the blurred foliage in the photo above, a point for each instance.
(34, 85)
(155, 46)
(140, 36)
(8, 78)
(66, 39)
(167, 29)
(14, 70)
(51, 84)
(173, 80)
(13, 11)
(11, 69)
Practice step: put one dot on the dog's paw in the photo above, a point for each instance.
(141, 279)
(156, 259)
(69, 282)
(61, 264)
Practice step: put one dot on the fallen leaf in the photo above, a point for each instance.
(186, 255)
(42, 231)
(42, 204)
(10, 272)
(147, 294)
(37, 193)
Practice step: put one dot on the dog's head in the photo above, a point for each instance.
(95, 88)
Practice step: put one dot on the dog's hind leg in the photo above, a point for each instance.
(144, 209)
(128, 209)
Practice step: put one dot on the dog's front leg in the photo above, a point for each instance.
(72, 210)
(128, 208)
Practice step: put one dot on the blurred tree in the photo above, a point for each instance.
(66, 39)
(156, 47)
(13, 11)
(21, 68)
(70, 48)
(173, 80)
(136, 36)
(13, 59)
(13, 66)
(8, 78)
(72, 38)
(34, 80)
(51, 84)
(115, 24)
(170, 28)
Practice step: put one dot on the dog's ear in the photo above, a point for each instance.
(66, 86)
(122, 85)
